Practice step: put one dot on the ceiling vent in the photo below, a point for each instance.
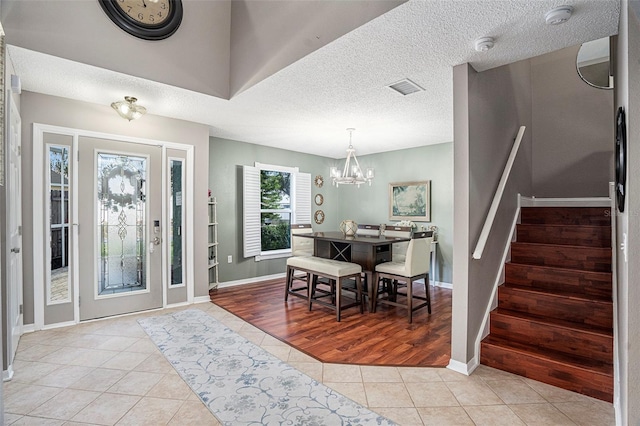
(406, 87)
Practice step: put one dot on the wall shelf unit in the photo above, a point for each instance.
(212, 240)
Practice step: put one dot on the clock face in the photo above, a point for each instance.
(146, 12)
(145, 19)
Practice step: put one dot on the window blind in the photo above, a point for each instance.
(251, 210)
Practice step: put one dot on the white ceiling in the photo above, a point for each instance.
(308, 105)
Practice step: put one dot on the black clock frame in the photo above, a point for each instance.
(621, 158)
(146, 32)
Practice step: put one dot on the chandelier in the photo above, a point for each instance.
(128, 108)
(351, 173)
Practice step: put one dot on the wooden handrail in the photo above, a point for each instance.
(497, 197)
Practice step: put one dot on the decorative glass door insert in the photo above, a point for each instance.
(121, 204)
(59, 285)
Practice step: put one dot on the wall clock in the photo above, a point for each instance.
(319, 199)
(621, 158)
(318, 217)
(319, 181)
(145, 19)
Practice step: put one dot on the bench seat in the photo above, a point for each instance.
(324, 267)
(335, 271)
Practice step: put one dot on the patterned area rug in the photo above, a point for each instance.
(241, 383)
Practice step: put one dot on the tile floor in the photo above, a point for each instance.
(108, 372)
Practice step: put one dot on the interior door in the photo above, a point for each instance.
(119, 233)
(14, 188)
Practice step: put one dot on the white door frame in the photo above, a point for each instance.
(39, 214)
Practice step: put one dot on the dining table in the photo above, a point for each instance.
(365, 250)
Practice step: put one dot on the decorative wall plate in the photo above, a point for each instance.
(318, 216)
(319, 181)
(621, 158)
(319, 199)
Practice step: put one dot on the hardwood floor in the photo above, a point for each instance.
(382, 338)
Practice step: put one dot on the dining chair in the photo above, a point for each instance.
(399, 249)
(414, 267)
(300, 246)
(372, 230)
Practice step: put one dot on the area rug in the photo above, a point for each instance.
(241, 383)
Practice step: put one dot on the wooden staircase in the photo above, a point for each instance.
(554, 320)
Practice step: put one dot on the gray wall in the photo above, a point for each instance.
(196, 57)
(627, 329)
(268, 36)
(489, 108)
(371, 204)
(226, 158)
(572, 153)
(364, 205)
(44, 109)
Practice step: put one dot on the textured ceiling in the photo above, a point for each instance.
(308, 105)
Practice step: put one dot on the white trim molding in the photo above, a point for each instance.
(462, 368)
(252, 280)
(565, 202)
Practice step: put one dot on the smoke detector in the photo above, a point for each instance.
(559, 15)
(483, 44)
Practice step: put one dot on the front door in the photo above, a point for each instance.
(119, 235)
(14, 196)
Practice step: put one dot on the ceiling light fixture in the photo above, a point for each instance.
(128, 109)
(351, 173)
(559, 15)
(483, 44)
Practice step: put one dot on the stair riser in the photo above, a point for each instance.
(554, 373)
(583, 258)
(591, 236)
(594, 216)
(556, 338)
(599, 314)
(596, 284)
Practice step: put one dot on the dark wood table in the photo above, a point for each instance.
(365, 250)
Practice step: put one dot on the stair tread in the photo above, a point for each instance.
(560, 269)
(589, 364)
(559, 293)
(602, 331)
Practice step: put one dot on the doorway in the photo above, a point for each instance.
(107, 203)
(120, 261)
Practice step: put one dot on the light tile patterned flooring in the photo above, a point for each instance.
(109, 372)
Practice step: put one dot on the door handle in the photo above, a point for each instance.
(15, 250)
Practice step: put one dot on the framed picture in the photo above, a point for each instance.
(410, 201)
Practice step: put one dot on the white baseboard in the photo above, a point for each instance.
(252, 280)
(565, 202)
(58, 325)
(462, 368)
(443, 285)
(7, 374)
(28, 328)
(177, 305)
(201, 299)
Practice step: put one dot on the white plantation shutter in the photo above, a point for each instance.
(251, 210)
(302, 191)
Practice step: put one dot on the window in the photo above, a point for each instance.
(176, 222)
(59, 284)
(274, 198)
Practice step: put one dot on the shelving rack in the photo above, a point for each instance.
(213, 243)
